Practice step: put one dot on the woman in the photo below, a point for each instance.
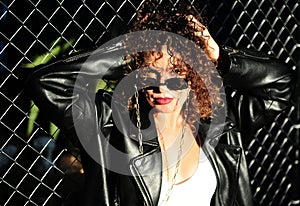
(173, 152)
(172, 90)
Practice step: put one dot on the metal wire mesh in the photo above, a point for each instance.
(39, 166)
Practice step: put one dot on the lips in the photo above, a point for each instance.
(165, 100)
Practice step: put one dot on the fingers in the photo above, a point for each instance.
(211, 47)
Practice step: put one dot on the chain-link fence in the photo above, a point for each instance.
(39, 166)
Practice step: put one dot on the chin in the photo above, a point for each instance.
(167, 108)
(164, 110)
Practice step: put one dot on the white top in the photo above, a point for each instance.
(198, 190)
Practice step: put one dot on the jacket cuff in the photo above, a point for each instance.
(224, 62)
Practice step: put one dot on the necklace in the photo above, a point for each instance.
(178, 162)
(162, 143)
(179, 155)
(165, 155)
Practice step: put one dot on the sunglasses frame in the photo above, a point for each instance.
(168, 83)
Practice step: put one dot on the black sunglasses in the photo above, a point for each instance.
(172, 83)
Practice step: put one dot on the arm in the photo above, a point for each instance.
(65, 91)
(258, 87)
(71, 82)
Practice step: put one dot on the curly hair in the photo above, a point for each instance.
(205, 94)
(164, 16)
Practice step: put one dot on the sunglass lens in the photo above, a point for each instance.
(172, 83)
(176, 84)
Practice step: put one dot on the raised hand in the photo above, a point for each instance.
(211, 47)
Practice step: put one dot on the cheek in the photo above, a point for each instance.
(182, 97)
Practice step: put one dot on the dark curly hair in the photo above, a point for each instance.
(152, 15)
(165, 16)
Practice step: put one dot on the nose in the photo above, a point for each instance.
(160, 88)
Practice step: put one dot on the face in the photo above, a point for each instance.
(165, 90)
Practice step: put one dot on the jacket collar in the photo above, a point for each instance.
(223, 157)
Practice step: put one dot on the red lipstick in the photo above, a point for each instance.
(165, 100)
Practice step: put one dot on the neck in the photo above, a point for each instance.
(169, 120)
(169, 128)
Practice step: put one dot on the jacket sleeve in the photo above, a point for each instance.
(257, 87)
(65, 89)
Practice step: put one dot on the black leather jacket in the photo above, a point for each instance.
(257, 88)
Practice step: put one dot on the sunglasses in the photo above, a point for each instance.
(171, 84)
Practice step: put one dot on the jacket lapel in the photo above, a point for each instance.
(146, 170)
(225, 160)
